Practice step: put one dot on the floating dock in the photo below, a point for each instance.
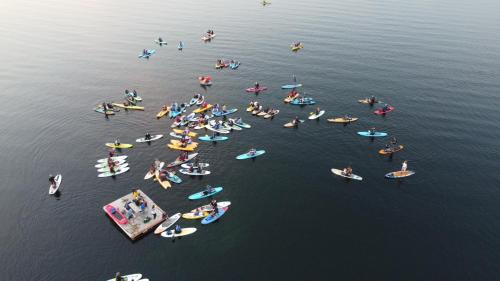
(141, 222)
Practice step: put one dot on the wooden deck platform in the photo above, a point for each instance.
(135, 226)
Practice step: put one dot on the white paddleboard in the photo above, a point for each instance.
(106, 169)
(316, 116)
(340, 173)
(153, 138)
(53, 189)
(130, 277)
(167, 223)
(115, 158)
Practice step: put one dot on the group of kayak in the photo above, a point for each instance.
(232, 64)
(258, 110)
(130, 102)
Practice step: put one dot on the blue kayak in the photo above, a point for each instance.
(220, 113)
(374, 135)
(147, 54)
(213, 217)
(174, 178)
(234, 65)
(248, 156)
(291, 86)
(303, 101)
(204, 194)
(210, 138)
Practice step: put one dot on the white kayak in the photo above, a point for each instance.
(53, 188)
(106, 169)
(189, 165)
(167, 223)
(313, 115)
(341, 173)
(130, 277)
(153, 138)
(115, 158)
(150, 175)
(105, 164)
(184, 232)
(117, 172)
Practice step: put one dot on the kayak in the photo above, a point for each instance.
(250, 109)
(291, 86)
(163, 112)
(248, 156)
(179, 131)
(128, 106)
(208, 37)
(189, 165)
(121, 145)
(234, 65)
(174, 178)
(117, 172)
(215, 216)
(303, 101)
(54, 187)
(269, 115)
(220, 66)
(164, 183)
(106, 169)
(179, 143)
(161, 43)
(313, 115)
(292, 125)
(195, 172)
(367, 101)
(167, 223)
(175, 147)
(341, 173)
(205, 81)
(219, 113)
(147, 54)
(215, 138)
(221, 131)
(262, 113)
(130, 277)
(256, 90)
(203, 109)
(381, 111)
(150, 174)
(342, 120)
(374, 135)
(101, 110)
(205, 194)
(399, 174)
(153, 138)
(296, 48)
(178, 162)
(389, 151)
(105, 163)
(131, 94)
(184, 232)
(115, 214)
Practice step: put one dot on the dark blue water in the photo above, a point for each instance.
(437, 62)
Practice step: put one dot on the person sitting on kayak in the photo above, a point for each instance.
(296, 45)
(347, 117)
(386, 107)
(371, 100)
(147, 136)
(256, 86)
(52, 180)
(404, 167)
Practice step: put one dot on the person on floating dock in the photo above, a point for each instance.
(153, 212)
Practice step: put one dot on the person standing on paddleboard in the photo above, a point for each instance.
(52, 180)
(404, 167)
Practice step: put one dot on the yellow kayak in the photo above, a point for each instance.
(121, 145)
(290, 99)
(179, 132)
(343, 120)
(250, 108)
(135, 107)
(162, 113)
(202, 109)
(165, 184)
(176, 147)
(296, 48)
(194, 215)
(178, 143)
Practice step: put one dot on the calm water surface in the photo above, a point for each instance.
(437, 62)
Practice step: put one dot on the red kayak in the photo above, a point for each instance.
(381, 111)
(205, 80)
(256, 90)
(115, 214)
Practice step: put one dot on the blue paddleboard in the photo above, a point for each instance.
(248, 156)
(211, 218)
(204, 194)
(210, 138)
(220, 113)
(376, 134)
(291, 86)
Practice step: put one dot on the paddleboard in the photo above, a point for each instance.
(167, 223)
(175, 147)
(203, 109)
(121, 145)
(114, 158)
(399, 174)
(342, 120)
(161, 43)
(153, 138)
(221, 131)
(316, 116)
(164, 183)
(204, 194)
(174, 178)
(117, 172)
(134, 107)
(220, 113)
(130, 277)
(269, 115)
(210, 138)
(101, 110)
(195, 172)
(184, 232)
(195, 214)
(53, 188)
(106, 169)
(367, 101)
(389, 151)
(306, 101)
(150, 174)
(248, 156)
(105, 164)
(179, 131)
(340, 173)
(256, 90)
(291, 86)
(178, 162)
